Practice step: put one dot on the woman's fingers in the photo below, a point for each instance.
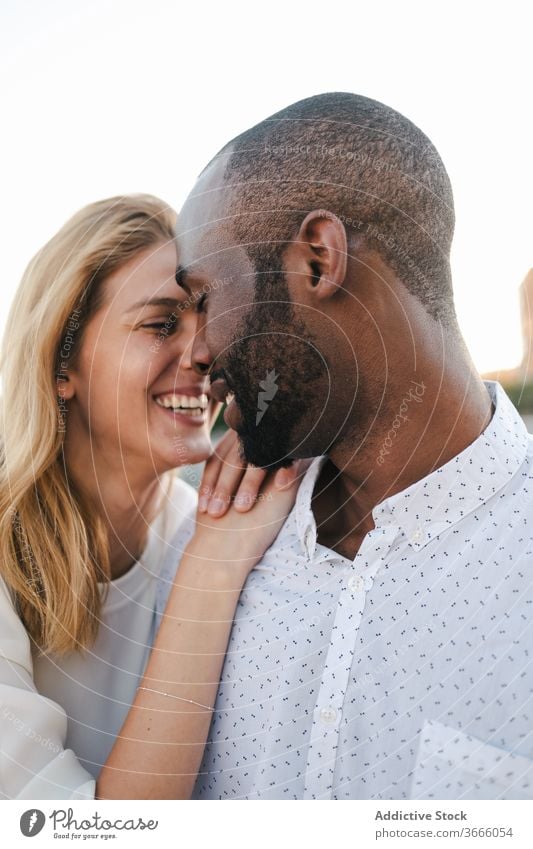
(212, 471)
(248, 491)
(228, 479)
(285, 478)
(251, 482)
(225, 477)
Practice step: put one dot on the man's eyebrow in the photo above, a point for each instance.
(180, 278)
(155, 302)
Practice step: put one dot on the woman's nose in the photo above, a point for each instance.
(191, 348)
(200, 355)
(186, 349)
(182, 342)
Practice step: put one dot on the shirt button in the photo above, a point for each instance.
(356, 583)
(328, 715)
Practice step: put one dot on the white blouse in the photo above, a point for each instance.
(59, 717)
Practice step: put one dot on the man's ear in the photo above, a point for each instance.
(322, 238)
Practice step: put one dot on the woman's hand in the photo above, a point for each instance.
(228, 479)
(237, 540)
(167, 737)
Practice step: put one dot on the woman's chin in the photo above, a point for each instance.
(182, 450)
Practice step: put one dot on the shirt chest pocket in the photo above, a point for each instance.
(453, 765)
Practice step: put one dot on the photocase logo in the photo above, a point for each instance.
(413, 395)
(269, 389)
(32, 822)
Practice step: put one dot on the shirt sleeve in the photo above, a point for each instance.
(34, 763)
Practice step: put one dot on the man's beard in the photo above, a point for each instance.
(276, 371)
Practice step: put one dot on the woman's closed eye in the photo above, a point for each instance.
(169, 324)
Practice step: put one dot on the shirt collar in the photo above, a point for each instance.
(441, 499)
(305, 521)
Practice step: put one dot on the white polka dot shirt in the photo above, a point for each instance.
(404, 674)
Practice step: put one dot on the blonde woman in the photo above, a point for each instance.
(108, 670)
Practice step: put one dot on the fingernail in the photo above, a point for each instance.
(203, 501)
(216, 505)
(283, 478)
(243, 500)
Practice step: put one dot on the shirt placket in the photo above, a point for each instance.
(357, 581)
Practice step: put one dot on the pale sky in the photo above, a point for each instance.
(102, 98)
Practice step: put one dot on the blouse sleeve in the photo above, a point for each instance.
(34, 763)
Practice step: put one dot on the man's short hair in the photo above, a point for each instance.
(360, 160)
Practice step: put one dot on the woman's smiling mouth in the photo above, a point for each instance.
(190, 407)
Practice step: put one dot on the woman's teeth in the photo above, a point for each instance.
(229, 397)
(187, 404)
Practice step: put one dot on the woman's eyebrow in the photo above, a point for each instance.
(155, 302)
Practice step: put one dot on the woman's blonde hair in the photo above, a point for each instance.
(53, 543)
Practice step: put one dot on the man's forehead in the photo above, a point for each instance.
(208, 203)
(206, 244)
(227, 264)
(204, 223)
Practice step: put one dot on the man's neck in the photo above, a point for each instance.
(427, 423)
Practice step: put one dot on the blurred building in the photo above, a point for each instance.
(518, 382)
(523, 373)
